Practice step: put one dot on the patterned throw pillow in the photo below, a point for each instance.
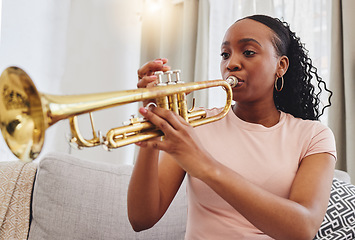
(339, 221)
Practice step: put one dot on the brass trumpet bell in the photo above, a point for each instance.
(25, 113)
(22, 119)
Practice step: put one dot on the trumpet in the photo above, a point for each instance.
(25, 113)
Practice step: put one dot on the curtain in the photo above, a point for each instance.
(75, 47)
(170, 32)
(342, 112)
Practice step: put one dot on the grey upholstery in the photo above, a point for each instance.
(76, 199)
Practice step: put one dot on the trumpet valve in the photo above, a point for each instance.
(159, 75)
(177, 76)
(168, 77)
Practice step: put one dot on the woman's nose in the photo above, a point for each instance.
(234, 64)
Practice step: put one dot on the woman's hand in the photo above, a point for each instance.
(146, 77)
(179, 140)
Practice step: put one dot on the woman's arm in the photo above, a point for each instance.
(297, 217)
(152, 187)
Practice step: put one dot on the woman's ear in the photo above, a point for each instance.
(282, 66)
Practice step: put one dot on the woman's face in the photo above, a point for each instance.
(248, 53)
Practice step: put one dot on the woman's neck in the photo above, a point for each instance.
(267, 116)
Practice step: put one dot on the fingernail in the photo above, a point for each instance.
(143, 110)
(166, 67)
(158, 61)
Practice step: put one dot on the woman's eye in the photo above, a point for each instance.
(249, 53)
(225, 55)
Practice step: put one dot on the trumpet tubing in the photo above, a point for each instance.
(121, 136)
(25, 113)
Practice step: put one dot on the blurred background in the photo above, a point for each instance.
(91, 46)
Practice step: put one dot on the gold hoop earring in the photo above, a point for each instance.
(282, 84)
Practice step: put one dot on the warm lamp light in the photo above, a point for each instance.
(153, 5)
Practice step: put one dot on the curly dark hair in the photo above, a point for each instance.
(298, 96)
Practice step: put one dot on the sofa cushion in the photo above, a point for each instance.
(339, 221)
(77, 199)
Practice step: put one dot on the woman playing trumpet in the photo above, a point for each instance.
(262, 172)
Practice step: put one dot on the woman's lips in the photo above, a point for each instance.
(240, 83)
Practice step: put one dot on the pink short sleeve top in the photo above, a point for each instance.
(268, 157)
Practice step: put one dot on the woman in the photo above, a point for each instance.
(265, 170)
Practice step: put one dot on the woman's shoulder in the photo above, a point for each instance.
(317, 136)
(304, 122)
(306, 126)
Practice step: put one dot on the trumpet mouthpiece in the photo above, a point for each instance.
(232, 81)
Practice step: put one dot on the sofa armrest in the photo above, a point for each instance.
(342, 175)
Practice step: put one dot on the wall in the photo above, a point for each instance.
(75, 47)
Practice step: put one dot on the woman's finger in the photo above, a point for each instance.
(174, 119)
(161, 119)
(147, 80)
(166, 120)
(154, 143)
(150, 67)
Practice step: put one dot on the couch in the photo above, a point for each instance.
(77, 199)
